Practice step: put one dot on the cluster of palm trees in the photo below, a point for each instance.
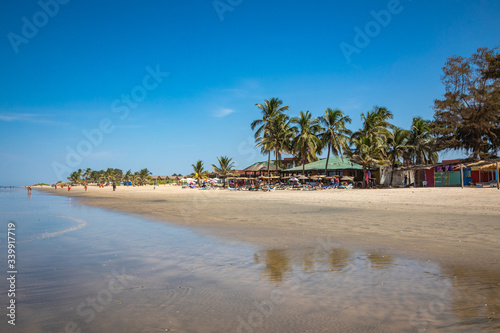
(377, 143)
(110, 175)
(224, 169)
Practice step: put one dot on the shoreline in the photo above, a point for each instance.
(453, 226)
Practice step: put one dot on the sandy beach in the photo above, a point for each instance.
(456, 227)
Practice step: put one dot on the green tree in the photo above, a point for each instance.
(368, 151)
(335, 136)
(307, 144)
(94, 176)
(74, 177)
(225, 168)
(376, 124)
(110, 175)
(422, 148)
(198, 170)
(128, 176)
(397, 147)
(468, 117)
(86, 174)
(279, 137)
(270, 109)
(144, 176)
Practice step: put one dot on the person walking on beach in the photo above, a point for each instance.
(85, 187)
(114, 186)
(69, 187)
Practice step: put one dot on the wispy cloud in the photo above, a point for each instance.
(29, 117)
(224, 112)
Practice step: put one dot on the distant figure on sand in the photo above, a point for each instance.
(85, 187)
(114, 186)
(69, 187)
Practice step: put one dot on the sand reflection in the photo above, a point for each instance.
(280, 264)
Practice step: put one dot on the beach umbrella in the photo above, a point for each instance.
(347, 178)
(302, 177)
(293, 179)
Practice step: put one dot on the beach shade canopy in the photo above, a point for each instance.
(347, 178)
(302, 177)
(293, 179)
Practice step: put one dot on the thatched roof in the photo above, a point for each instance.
(261, 166)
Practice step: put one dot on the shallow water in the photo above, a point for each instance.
(86, 268)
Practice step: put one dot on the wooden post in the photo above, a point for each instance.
(462, 175)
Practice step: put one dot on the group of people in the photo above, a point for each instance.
(62, 186)
(85, 186)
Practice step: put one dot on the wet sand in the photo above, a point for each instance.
(452, 226)
(274, 262)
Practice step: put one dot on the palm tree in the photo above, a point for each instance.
(128, 176)
(74, 177)
(397, 147)
(279, 137)
(368, 152)
(225, 168)
(335, 135)
(306, 144)
(270, 109)
(136, 178)
(198, 170)
(87, 173)
(144, 175)
(375, 124)
(110, 175)
(94, 176)
(423, 150)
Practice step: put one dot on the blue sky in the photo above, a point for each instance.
(193, 71)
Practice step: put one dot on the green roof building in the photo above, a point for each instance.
(336, 166)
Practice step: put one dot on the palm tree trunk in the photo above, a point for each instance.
(276, 162)
(327, 158)
(392, 176)
(269, 164)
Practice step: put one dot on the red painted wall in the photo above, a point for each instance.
(429, 176)
(486, 176)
